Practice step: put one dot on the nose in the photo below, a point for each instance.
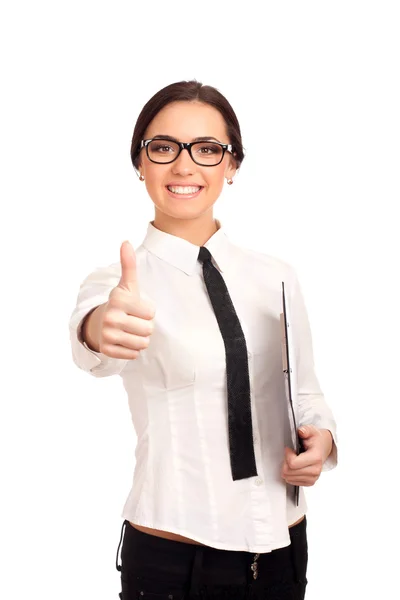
(184, 164)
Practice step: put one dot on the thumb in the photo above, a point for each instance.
(307, 431)
(128, 279)
(289, 452)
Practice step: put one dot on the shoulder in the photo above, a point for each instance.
(267, 263)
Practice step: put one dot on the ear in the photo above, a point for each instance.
(139, 168)
(231, 168)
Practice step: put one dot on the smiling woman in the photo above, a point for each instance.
(211, 508)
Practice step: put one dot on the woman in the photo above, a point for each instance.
(191, 322)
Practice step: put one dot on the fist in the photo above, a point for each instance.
(127, 320)
(306, 468)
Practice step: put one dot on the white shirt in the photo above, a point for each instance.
(177, 392)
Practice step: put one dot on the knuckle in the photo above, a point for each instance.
(145, 342)
(106, 349)
(137, 342)
(118, 352)
(109, 335)
(141, 327)
(149, 309)
(114, 299)
(109, 317)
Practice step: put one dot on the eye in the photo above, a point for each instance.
(162, 148)
(208, 149)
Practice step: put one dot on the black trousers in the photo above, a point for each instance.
(155, 568)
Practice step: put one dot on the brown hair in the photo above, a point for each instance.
(188, 91)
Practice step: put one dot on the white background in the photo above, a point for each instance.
(315, 86)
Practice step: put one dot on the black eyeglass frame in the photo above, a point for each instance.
(183, 146)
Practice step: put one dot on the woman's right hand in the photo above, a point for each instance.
(127, 320)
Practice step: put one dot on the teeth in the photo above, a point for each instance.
(183, 190)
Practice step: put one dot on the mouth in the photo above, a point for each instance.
(187, 191)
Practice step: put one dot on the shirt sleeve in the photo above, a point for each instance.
(313, 408)
(93, 291)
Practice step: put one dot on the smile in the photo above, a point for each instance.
(178, 189)
(188, 191)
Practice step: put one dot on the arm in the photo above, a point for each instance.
(313, 408)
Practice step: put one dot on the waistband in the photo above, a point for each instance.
(244, 565)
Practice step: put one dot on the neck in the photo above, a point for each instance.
(196, 231)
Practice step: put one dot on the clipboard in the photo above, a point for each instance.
(289, 370)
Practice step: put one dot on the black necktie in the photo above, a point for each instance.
(243, 462)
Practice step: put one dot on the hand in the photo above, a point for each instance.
(127, 320)
(306, 468)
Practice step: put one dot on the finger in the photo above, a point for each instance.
(302, 480)
(137, 325)
(128, 279)
(289, 452)
(307, 472)
(119, 352)
(137, 308)
(122, 309)
(310, 430)
(130, 341)
(306, 459)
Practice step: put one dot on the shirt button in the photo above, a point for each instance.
(258, 481)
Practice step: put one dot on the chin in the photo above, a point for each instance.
(186, 210)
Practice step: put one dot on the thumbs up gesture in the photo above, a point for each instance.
(127, 320)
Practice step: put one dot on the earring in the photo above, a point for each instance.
(141, 178)
(229, 181)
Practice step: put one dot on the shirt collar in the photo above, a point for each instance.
(183, 254)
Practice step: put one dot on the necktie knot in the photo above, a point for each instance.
(204, 254)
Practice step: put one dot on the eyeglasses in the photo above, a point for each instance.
(206, 154)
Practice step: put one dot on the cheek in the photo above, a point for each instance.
(215, 179)
(153, 173)
(154, 178)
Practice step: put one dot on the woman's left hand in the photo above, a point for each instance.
(306, 468)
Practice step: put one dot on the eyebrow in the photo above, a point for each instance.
(203, 138)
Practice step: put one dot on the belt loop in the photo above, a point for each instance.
(118, 567)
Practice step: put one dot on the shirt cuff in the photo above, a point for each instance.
(95, 363)
(332, 460)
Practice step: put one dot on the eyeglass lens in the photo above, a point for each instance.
(204, 153)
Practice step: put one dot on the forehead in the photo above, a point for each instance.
(187, 120)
